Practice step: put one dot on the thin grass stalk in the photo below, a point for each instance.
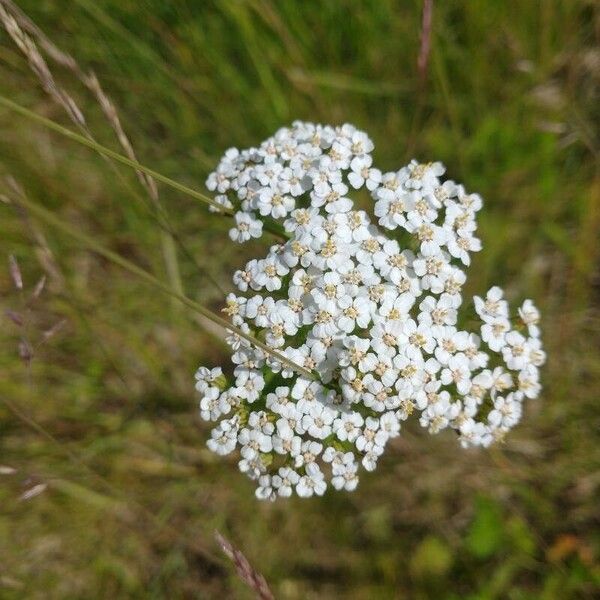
(275, 228)
(50, 219)
(68, 133)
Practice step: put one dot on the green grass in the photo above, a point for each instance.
(133, 496)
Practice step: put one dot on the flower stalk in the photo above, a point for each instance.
(50, 219)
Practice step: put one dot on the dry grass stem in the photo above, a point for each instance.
(244, 569)
(38, 65)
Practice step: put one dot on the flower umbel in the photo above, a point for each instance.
(372, 309)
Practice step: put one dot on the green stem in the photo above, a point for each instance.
(269, 225)
(110, 153)
(54, 221)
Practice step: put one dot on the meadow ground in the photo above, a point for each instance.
(129, 496)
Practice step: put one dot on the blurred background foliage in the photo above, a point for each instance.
(122, 502)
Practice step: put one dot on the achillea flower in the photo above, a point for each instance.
(371, 309)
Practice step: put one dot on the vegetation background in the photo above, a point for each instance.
(123, 498)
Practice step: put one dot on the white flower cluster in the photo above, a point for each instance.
(372, 315)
